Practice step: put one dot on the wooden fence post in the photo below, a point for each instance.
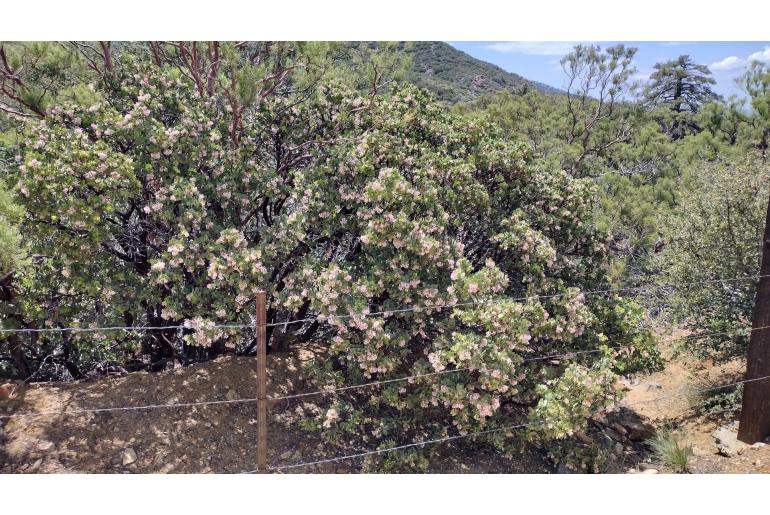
(261, 382)
(755, 411)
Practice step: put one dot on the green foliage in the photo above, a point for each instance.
(577, 456)
(683, 87)
(643, 354)
(164, 183)
(640, 168)
(372, 66)
(716, 232)
(409, 460)
(756, 82)
(10, 241)
(711, 398)
(44, 71)
(566, 402)
(634, 160)
(454, 76)
(155, 195)
(669, 447)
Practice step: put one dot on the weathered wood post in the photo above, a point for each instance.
(261, 382)
(755, 411)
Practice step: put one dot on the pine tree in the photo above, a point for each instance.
(684, 87)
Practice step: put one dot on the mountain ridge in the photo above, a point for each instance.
(454, 76)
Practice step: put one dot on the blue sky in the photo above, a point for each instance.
(540, 60)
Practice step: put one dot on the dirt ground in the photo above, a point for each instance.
(199, 439)
(222, 438)
(681, 375)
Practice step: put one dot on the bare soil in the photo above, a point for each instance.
(222, 438)
(199, 439)
(681, 375)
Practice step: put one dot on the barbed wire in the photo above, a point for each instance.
(570, 354)
(691, 392)
(254, 399)
(390, 449)
(128, 408)
(326, 391)
(513, 299)
(495, 430)
(566, 355)
(121, 328)
(364, 314)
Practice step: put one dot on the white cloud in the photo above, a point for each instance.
(763, 56)
(533, 47)
(733, 62)
(728, 63)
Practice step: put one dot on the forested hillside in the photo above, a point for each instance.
(455, 76)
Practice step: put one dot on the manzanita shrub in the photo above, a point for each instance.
(150, 204)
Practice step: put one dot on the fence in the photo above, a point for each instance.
(262, 398)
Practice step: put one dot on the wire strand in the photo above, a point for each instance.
(390, 449)
(565, 355)
(126, 408)
(510, 299)
(383, 312)
(495, 430)
(120, 328)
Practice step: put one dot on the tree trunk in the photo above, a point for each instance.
(755, 411)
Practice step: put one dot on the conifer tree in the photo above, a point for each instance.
(683, 87)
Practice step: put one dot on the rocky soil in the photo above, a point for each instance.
(222, 438)
(199, 439)
(713, 437)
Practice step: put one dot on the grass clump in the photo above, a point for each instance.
(669, 447)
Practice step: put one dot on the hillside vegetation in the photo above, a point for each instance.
(156, 187)
(455, 76)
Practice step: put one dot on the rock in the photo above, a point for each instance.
(757, 463)
(758, 445)
(631, 471)
(165, 469)
(128, 456)
(5, 391)
(619, 449)
(727, 442)
(613, 435)
(45, 446)
(584, 438)
(160, 457)
(286, 455)
(638, 430)
(697, 451)
(33, 468)
(650, 471)
(619, 429)
(231, 395)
